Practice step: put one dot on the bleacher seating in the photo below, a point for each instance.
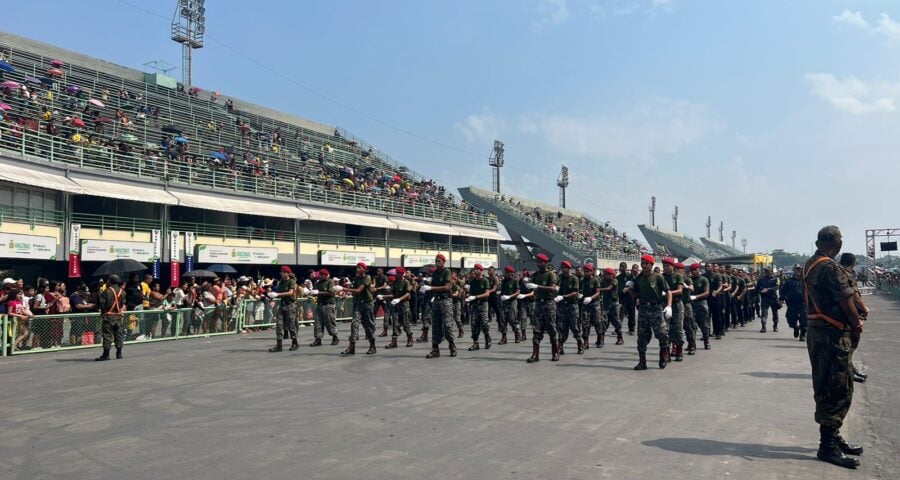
(95, 119)
(676, 244)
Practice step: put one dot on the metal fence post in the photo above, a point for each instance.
(3, 323)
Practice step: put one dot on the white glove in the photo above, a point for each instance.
(425, 288)
(395, 301)
(313, 292)
(693, 298)
(556, 288)
(521, 296)
(580, 296)
(379, 297)
(531, 286)
(629, 284)
(504, 298)
(338, 289)
(558, 298)
(470, 298)
(426, 279)
(468, 287)
(432, 300)
(588, 300)
(272, 295)
(667, 312)
(526, 279)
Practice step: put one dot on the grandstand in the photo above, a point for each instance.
(666, 242)
(131, 157)
(565, 234)
(720, 248)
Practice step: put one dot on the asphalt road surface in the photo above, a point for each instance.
(222, 408)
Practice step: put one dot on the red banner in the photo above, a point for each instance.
(74, 265)
(175, 278)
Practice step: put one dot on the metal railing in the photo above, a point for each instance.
(32, 216)
(228, 231)
(390, 243)
(112, 222)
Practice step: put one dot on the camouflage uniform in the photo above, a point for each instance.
(525, 308)
(700, 308)
(508, 310)
(651, 290)
(401, 314)
(610, 307)
(590, 313)
(287, 311)
(544, 320)
(380, 282)
(112, 306)
(455, 288)
(828, 346)
(676, 323)
(325, 314)
(479, 321)
(690, 328)
(567, 316)
(441, 310)
(362, 310)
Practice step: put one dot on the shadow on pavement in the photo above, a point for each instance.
(798, 345)
(799, 376)
(749, 451)
(73, 359)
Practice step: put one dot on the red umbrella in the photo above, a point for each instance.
(57, 63)
(397, 178)
(78, 122)
(55, 72)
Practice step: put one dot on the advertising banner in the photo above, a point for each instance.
(331, 257)
(231, 255)
(106, 250)
(75, 251)
(13, 245)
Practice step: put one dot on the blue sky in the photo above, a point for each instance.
(776, 117)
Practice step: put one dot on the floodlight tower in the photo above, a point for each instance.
(722, 232)
(496, 161)
(675, 219)
(188, 27)
(708, 225)
(744, 244)
(562, 181)
(652, 211)
(733, 236)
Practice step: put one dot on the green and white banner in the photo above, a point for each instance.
(106, 250)
(229, 255)
(13, 245)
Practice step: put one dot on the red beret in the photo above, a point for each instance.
(478, 267)
(648, 258)
(286, 269)
(542, 257)
(695, 266)
(441, 257)
(669, 261)
(610, 271)
(392, 278)
(363, 265)
(565, 264)
(679, 265)
(588, 267)
(324, 271)
(510, 269)
(526, 272)
(400, 270)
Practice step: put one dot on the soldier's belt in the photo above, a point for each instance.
(544, 300)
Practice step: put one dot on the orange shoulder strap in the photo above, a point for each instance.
(816, 312)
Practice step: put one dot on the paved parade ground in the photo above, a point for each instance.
(225, 408)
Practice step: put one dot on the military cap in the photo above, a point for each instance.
(648, 258)
(510, 269)
(565, 264)
(542, 257)
(588, 268)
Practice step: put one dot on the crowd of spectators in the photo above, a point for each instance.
(127, 125)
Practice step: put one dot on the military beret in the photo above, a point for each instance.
(392, 279)
(648, 258)
(440, 257)
(510, 269)
(324, 271)
(831, 233)
(695, 266)
(565, 264)
(286, 269)
(679, 265)
(610, 271)
(588, 268)
(478, 267)
(669, 261)
(526, 272)
(362, 265)
(542, 257)
(400, 270)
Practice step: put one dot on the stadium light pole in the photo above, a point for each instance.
(733, 236)
(708, 225)
(652, 211)
(722, 231)
(496, 161)
(675, 219)
(562, 181)
(188, 27)
(744, 244)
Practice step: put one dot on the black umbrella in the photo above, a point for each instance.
(120, 265)
(172, 129)
(200, 274)
(221, 268)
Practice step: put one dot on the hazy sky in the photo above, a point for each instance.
(776, 116)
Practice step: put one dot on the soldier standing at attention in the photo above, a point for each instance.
(791, 293)
(625, 301)
(112, 308)
(362, 310)
(568, 313)
(399, 303)
(848, 263)
(324, 292)
(699, 306)
(509, 292)
(543, 284)
(479, 290)
(767, 288)
(590, 307)
(441, 308)
(714, 301)
(690, 328)
(834, 329)
(651, 291)
(286, 318)
(676, 322)
(383, 288)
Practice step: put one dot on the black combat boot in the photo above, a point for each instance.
(334, 340)
(424, 337)
(847, 448)
(559, 348)
(435, 351)
(830, 452)
(554, 352)
(802, 334)
(351, 350)
(383, 332)
(475, 346)
(678, 353)
(642, 362)
(277, 347)
(294, 344)
(663, 357)
(796, 332)
(774, 326)
(580, 345)
(502, 339)
(104, 356)
(409, 340)
(372, 348)
(763, 329)
(586, 342)
(487, 341)
(619, 339)
(393, 343)
(316, 343)
(459, 333)
(599, 342)
(452, 345)
(706, 345)
(524, 335)
(535, 353)
(119, 353)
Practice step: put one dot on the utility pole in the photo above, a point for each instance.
(496, 161)
(675, 219)
(562, 181)
(652, 211)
